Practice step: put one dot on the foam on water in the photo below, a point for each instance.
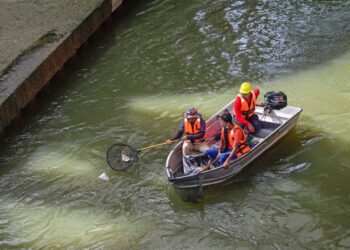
(64, 226)
(173, 106)
(60, 160)
(323, 92)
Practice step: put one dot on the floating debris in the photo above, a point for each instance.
(104, 177)
(125, 158)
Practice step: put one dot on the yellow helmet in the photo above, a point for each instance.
(246, 87)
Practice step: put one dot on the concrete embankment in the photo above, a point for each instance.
(37, 39)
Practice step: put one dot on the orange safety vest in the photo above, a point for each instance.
(195, 129)
(245, 109)
(242, 144)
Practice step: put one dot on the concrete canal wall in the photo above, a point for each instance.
(29, 72)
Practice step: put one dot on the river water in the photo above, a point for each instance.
(132, 82)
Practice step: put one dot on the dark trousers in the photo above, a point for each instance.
(254, 120)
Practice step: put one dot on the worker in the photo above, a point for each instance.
(193, 128)
(244, 108)
(233, 143)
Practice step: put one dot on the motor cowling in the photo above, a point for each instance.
(275, 100)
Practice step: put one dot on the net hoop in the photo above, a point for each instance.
(121, 156)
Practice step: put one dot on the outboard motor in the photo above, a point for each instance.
(275, 100)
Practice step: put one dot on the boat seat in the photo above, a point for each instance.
(263, 133)
(269, 125)
(252, 141)
(266, 129)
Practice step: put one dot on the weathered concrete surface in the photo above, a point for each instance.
(23, 23)
(36, 39)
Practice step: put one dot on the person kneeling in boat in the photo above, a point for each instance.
(244, 108)
(233, 143)
(193, 126)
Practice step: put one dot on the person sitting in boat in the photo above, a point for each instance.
(233, 143)
(193, 126)
(244, 108)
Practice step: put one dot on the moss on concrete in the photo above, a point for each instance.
(48, 38)
(27, 25)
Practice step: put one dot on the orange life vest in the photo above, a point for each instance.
(247, 110)
(192, 130)
(242, 144)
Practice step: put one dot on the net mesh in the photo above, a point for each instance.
(121, 156)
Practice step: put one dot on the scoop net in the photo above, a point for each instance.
(121, 156)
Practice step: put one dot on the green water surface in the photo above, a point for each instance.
(132, 82)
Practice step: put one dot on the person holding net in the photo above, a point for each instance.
(192, 129)
(121, 156)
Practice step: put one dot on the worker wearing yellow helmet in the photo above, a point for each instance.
(244, 107)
